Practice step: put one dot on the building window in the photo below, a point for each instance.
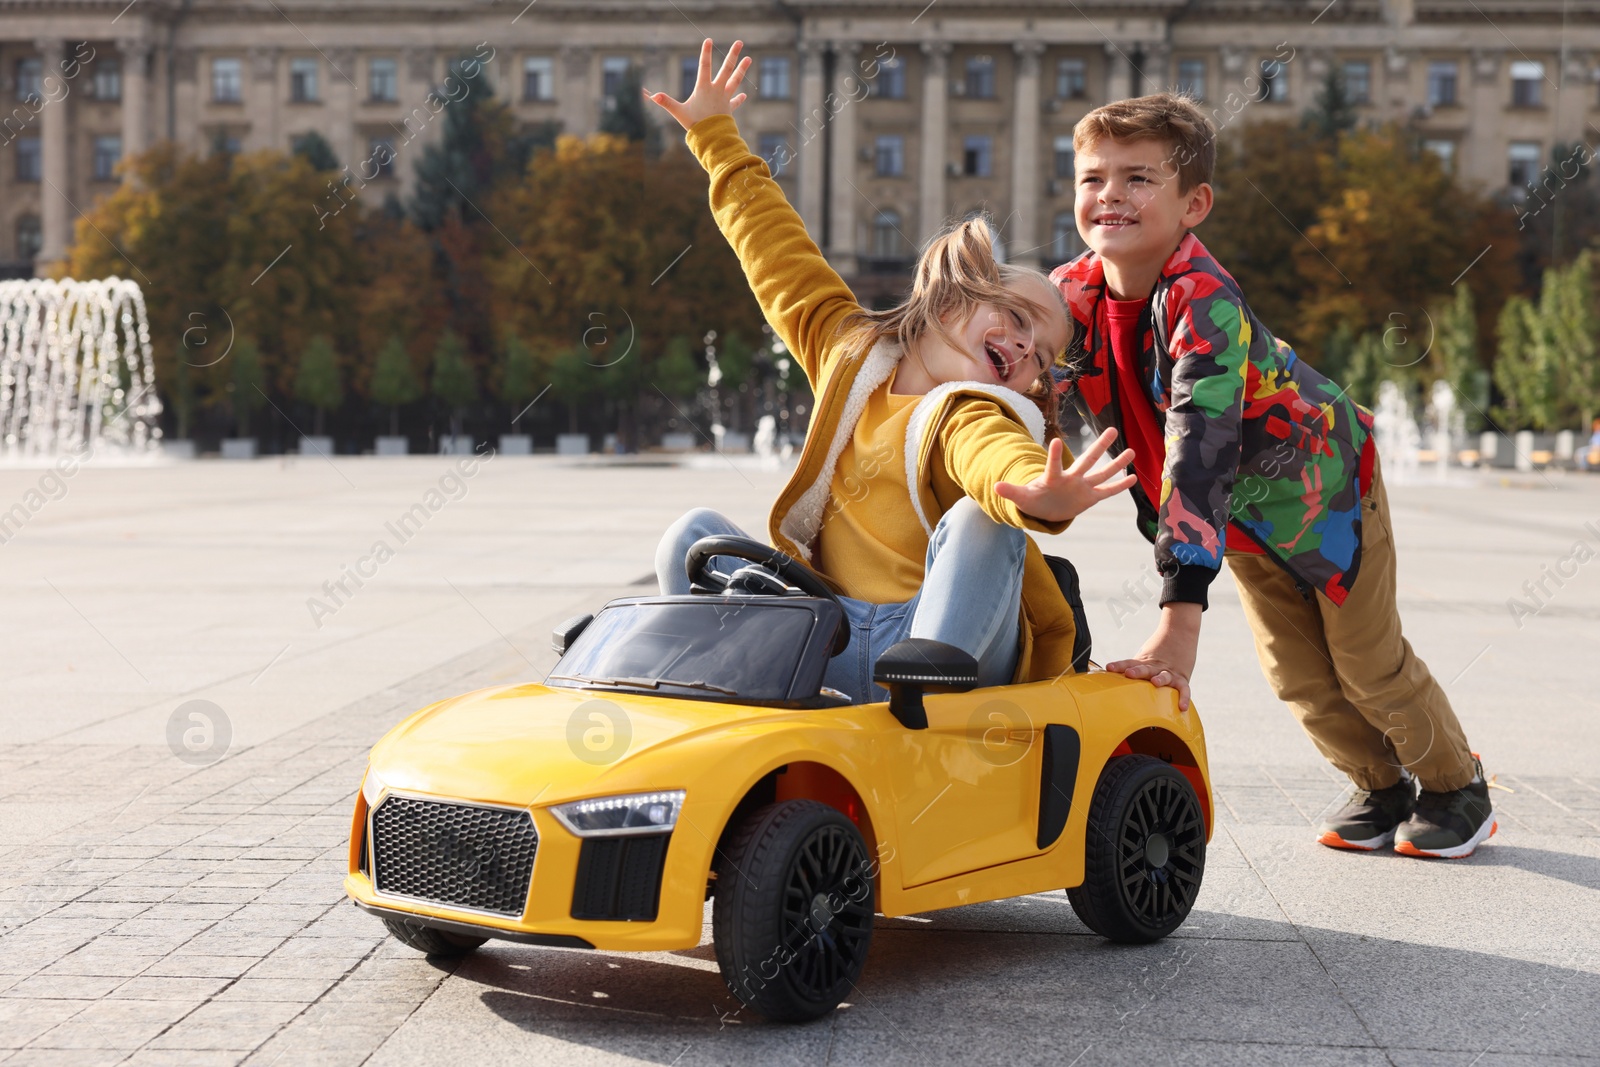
(382, 81)
(774, 77)
(889, 156)
(1064, 240)
(27, 159)
(107, 83)
(1274, 82)
(225, 142)
(107, 154)
(538, 78)
(613, 69)
(980, 77)
(1071, 79)
(303, 81)
(1445, 150)
(225, 81)
(1192, 78)
(689, 73)
(1358, 81)
(30, 237)
(380, 157)
(976, 156)
(774, 148)
(886, 240)
(30, 73)
(891, 80)
(1527, 83)
(1064, 159)
(1442, 84)
(1524, 158)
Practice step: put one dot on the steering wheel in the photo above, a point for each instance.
(785, 566)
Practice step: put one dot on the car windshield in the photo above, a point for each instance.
(728, 649)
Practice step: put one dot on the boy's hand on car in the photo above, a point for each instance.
(1061, 494)
(1167, 659)
(711, 96)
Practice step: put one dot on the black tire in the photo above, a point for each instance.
(427, 939)
(792, 919)
(1143, 810)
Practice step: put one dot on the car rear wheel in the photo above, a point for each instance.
(433, 942)
(1144, 852)
(792, 918)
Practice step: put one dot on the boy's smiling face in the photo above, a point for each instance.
(1130, 208)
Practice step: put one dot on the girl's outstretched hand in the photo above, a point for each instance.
(711, 96)
(1058, 495)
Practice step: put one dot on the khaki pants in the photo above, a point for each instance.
(1370, 705)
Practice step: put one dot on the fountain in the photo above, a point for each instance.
(76, 375)
(1399, 439)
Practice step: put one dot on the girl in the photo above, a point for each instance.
(926, 458)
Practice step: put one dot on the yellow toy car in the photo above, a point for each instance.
(684, 749)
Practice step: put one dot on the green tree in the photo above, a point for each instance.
(574, 381)
(453, 380)
(245, 383)
(317, 380)
(315, 150)
(519, 372)
(1523, 381)
(676, 372)
(395, 381)
(1456, 342)
(626, 115)
(1334, 114)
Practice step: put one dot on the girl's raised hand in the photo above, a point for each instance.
(711, 96)
(1060, 494)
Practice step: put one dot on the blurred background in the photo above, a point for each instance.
(437, 223)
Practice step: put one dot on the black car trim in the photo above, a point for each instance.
(1058, 774)
(450, 926)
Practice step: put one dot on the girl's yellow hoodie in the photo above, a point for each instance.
(878, 468)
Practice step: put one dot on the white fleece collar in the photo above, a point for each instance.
(923, 422)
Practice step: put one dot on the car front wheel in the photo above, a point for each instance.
(792, 918)
(427, 939)
(1144, 851)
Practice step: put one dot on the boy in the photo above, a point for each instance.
(1241, 449)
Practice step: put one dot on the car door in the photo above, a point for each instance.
(966, 789)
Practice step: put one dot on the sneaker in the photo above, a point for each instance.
(1449, 825)
(1371, 817)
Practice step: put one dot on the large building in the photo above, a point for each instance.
(882, 119)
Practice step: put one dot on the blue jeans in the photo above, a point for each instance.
(971, 596)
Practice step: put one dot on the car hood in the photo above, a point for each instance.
(524, 744)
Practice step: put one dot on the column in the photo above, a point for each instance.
(578, 100)
(847, 91)
(266, 100)
(935, 137)
(1483, 152)
(135, 96)
(1024, 236)
(55, 219)
(1156, 68)
(1119, 76)
(808, 137)
(340, 94)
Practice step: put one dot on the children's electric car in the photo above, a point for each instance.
(685, 749)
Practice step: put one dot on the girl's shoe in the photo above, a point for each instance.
(1449, 825)
(1370, 819)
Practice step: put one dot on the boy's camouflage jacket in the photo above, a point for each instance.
(1253, 435)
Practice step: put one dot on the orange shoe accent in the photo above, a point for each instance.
(1406, 848)
(1333, 840)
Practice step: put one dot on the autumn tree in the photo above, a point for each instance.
(394, 381)
(453, 381)
(317, 380)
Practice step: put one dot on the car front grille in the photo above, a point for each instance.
(464, 855)
(619, 877)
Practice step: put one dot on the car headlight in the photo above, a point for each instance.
(640, 813)
(371, 788)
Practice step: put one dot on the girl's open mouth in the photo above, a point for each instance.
(1002, 367)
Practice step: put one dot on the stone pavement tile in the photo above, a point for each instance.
(101, 909)
(64, 987)
(187, 966)
(217, 942)
(189, 912)
(415, 967)
(330, 967)
(61, 1057)
(165, 987)
(296, 990)
(119, 1024)
(213, 894)
(235, 1025)
(23, 1020)
(168, 1057)
(305, 945)
(868, 1047)
(344, 1045)
(96, 960)
(1433, 1058)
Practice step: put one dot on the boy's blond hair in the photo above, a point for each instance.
(956, 272)
(1169, 117)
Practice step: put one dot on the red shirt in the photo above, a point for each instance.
(1142, 424)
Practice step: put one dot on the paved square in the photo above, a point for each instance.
(157, 910)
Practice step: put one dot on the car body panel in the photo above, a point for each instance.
(951, 812)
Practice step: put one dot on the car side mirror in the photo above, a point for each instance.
(909, 666)
(568, 632)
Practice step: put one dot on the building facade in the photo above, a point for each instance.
(882, 120)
